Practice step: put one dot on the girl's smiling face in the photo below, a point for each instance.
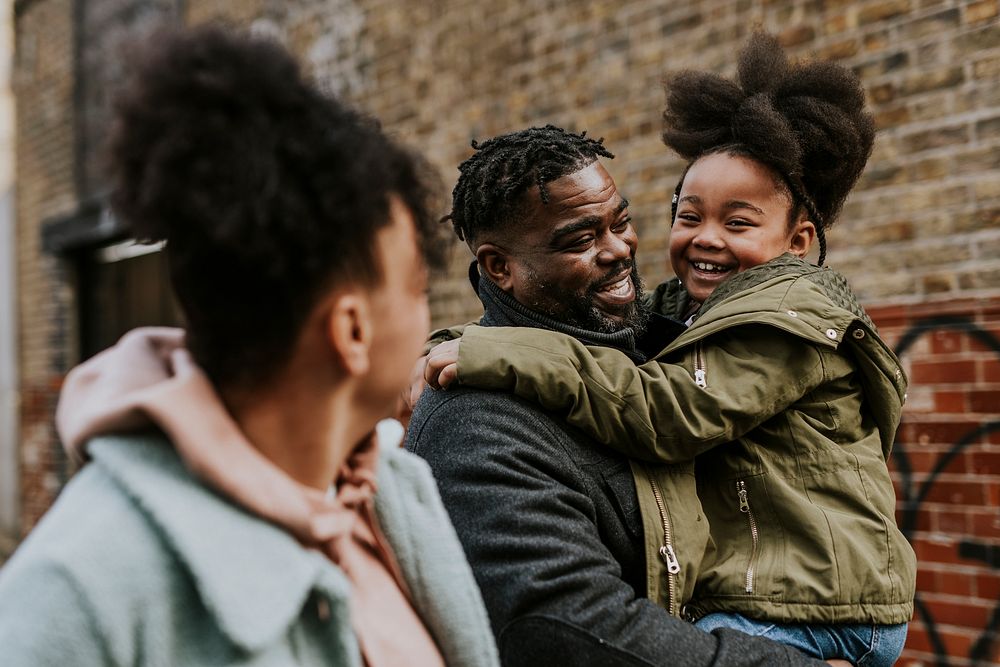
(732, 214)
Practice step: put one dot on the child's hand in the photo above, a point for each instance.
(839, 663)
(411, 392)
(442, 364)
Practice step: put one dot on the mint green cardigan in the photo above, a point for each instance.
(139, 564)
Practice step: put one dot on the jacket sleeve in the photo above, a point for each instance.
(655, 411)
(46, 620)
(444, 335)
(554, 592)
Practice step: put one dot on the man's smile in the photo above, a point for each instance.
(618, 291)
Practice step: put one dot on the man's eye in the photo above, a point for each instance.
(622, 226)
(581, 242)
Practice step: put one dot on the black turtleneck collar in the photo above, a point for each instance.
(503, 310)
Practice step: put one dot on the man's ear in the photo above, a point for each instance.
(495, 263)
(349, 332)
(802, 238)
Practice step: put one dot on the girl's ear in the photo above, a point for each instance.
(494, 262)
(349, 332)
(802, 237)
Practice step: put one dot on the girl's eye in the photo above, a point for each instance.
(740, 222)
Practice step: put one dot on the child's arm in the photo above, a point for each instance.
(443, 335)
(656, 411)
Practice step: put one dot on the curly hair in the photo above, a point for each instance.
(265, 190)
(490, 189)
(806, 121)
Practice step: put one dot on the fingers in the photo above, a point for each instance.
(181, 362)
(417, 383)
(440, 358)
(161, 340)
(447, 375)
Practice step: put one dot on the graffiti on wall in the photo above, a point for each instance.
(913, 494)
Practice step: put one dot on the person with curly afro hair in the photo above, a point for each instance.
(241, 500)
(779, 389)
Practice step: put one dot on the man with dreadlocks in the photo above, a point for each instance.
(780, 387)
(583, 557)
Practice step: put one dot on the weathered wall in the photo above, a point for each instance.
(919, 239)
(43, 85)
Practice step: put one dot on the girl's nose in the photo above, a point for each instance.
(709, 238)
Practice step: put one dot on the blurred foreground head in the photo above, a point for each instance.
(274, 201)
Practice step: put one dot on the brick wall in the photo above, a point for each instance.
(946, 467)
(919, 238)
(43, 85)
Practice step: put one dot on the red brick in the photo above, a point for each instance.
(943, 342)
(917, 640)
(957, 642)
(921, 461)
(993, 494)
(889, 316)
(968, 613)
(935, 552)
(984, 463)
(936, 432)
(974, 344)
(926, 579)
(988, 585)
(950, 401)
(985, 401)
(925, 518)
(986, 525)
(952, 522)
(958, 493)
(954, 583)
(947, 372)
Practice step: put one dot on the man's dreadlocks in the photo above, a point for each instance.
(490, 190)
(807, 122)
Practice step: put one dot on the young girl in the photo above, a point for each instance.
(780, 386)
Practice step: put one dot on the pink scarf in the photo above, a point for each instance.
(149, 378)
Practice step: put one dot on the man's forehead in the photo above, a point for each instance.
(590, 185)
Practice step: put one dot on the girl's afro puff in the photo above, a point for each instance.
(807, 121)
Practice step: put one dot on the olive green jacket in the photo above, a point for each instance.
(675, 530)
(788, 400)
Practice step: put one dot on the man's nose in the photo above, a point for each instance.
(617, 247)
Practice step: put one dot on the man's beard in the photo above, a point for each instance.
(579, 310)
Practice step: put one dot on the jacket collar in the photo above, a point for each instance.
(252, 577)
(503, 310)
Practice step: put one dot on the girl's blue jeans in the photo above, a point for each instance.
(864, 645)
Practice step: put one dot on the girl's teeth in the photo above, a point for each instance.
(704, 266)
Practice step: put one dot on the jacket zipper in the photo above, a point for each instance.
(699, 367)
(741, 490)
(667, 549)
